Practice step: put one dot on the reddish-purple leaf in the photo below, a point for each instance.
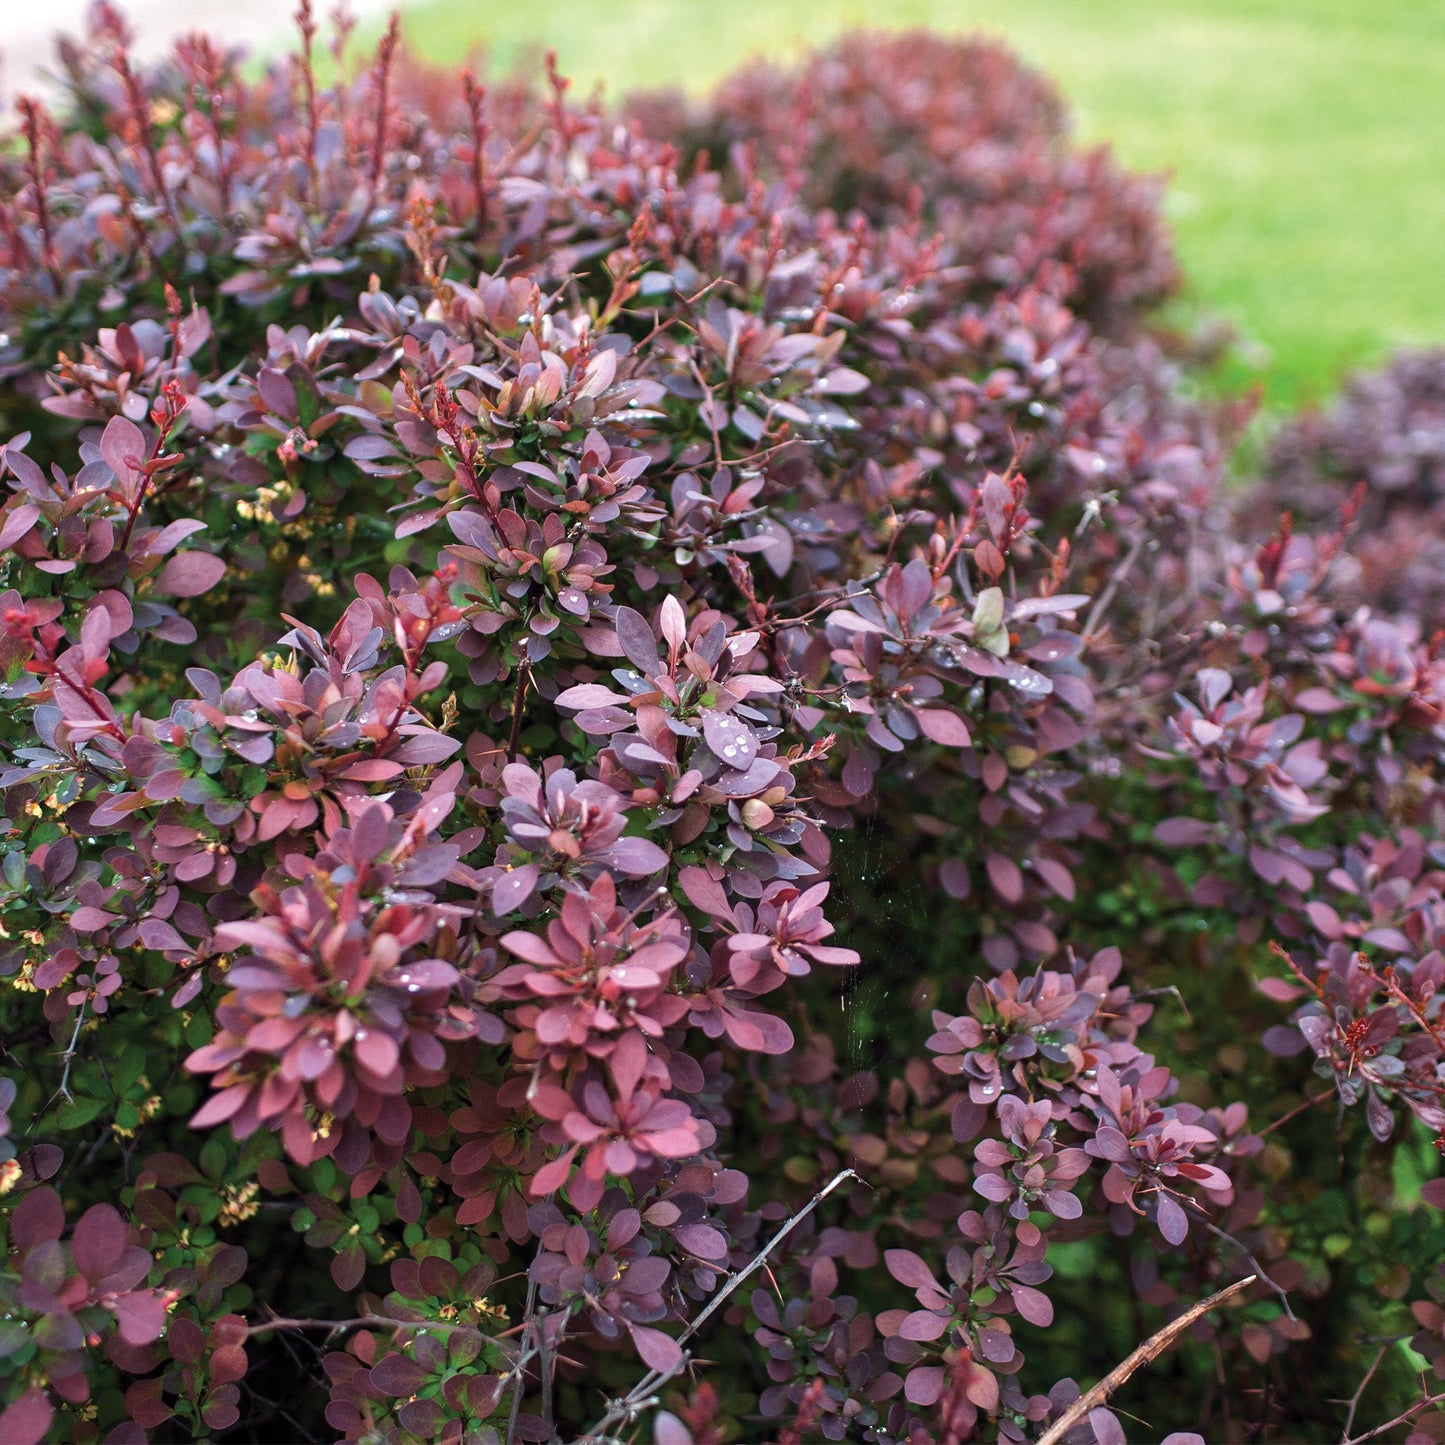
(188, 574)
(396, 1375)
(940, 725)
(922, 1325)
(924, 1386)
(1173, 1222)
(657, 1350)
(98, 1242)
(1033, 1304)
(909, 1269)
(141, 1316)
(17, 524)
(39, 1217)
(27, 1420)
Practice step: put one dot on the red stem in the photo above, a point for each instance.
(385, 55)
(30, 111)
(476, 102)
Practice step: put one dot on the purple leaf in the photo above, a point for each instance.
(27, 1420)
(98, 1242)
(1185, 832)
(924, 1386)
(17, 524)
(658, 1351)
(1173, 1221)
(123, 446)
(940, 725)
(1033, 1304)
(922, 1325)
(734, 742)
(1106, 1427)
(909, 1269)
(141, 1317)
(40, 1216)
(189, 574)
(396, 1375)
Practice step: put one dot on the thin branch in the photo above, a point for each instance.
(1401, 1419)
(1254, 1264)
(519, 700)
(1355, 1398)
(640, 1396)
(1309, 1103)
(1096, 613)
(524, 1352)
(63, 1091)
(1149, 1351)
(375, 1322)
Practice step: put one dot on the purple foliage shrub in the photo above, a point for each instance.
(474, 577)
(1387, 433)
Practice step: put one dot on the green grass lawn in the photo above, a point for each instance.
(1306, 137)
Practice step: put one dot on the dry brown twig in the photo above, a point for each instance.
(1146, 1354)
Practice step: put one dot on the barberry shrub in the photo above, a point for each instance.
(1386, 433)
(646, 802)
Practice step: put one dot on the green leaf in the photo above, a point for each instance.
(214, 1157)
(75, 1113)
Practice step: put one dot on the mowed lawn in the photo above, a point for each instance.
(1306, 138)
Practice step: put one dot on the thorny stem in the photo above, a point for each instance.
(1402, 1418)
(206, 72)
(1254, 1264)
(357, 1322)
(1355, 1398)
(1392, 987)
(63, 1092)
(164, 415)
(637, 1398)
(1149, 1351)
(1116, 580)
(519, 698)
(519, 1370)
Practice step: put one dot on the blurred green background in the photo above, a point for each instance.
(1306, 138)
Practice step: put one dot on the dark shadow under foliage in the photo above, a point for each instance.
(570, 674)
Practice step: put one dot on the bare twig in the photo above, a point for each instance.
(1299, 1109)
(1403, 1418)
(1149, 1351)
(519, 700)
(358, 1322)
(641, 1395)
(526, 1349)
(1096, 613)
(1355, 1398)
(63, 1091)
(1261, 1273)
